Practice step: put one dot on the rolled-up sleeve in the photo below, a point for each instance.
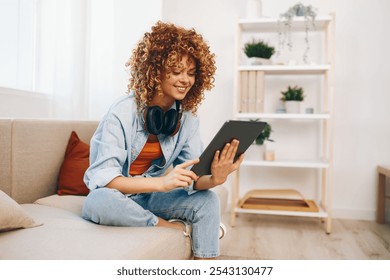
(108, 153)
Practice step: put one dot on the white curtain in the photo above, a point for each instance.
(82, 50)
(61, 56)
(17, 44)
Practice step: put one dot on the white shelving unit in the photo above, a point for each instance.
(287, 69)
(324, 117)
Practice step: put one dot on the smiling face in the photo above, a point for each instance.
(177, 81)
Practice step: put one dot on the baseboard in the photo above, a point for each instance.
(353, 214)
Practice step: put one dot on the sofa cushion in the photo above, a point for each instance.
(71, 203)
(12, 215)
(66, 235)
(76, 162)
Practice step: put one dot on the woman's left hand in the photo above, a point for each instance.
(223, 163)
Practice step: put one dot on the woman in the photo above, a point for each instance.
(154, 128)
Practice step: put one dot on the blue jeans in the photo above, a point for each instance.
(110, 207)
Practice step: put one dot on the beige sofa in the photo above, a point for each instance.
(31, 153)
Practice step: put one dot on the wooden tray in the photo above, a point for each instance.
(287, 200)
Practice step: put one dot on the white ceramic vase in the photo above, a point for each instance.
(260, 61)
(255, 152)
(292, 106)
(254, 8)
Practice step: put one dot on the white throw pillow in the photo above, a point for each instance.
(12, 215)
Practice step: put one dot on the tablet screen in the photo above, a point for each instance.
(244, 131)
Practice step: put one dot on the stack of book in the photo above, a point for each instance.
(252, 91)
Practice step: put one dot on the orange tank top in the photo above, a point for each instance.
(150, 152)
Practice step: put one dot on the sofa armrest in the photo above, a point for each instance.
(5, 155)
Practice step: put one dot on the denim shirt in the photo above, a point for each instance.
(120, 137)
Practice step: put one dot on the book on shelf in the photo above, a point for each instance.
(244, 91)
(252, 91)
(259, 92)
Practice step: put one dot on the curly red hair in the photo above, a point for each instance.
(162, 49)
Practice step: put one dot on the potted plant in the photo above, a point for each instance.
(259, 51)
(298, 10)
(292, 99)
(268, 151)
(264, 135)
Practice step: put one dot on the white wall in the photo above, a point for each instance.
(362, 126)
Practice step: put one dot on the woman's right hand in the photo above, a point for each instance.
(179, 176)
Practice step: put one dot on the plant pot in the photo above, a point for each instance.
(253, 9)
(292, 106)
(259, 61)
(255, 152)
(269, 153)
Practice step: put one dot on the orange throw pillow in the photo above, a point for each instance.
(76, 162)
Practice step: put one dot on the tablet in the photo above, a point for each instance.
(244, 131)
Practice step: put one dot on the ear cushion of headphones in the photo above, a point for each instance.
(154, 120)
(170, 122)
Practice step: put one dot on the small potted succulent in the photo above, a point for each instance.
(259, 52)
(292, 98)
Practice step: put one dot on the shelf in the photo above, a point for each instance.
(271, 24)
(253, 87)
(284, 116)
(288, 69)
(286, 163)
(319, 214)
(279, 202)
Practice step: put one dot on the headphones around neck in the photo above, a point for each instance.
(159, 122)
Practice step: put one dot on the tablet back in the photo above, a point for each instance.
(244, 131)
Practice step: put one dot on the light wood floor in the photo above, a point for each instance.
(299, 238)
